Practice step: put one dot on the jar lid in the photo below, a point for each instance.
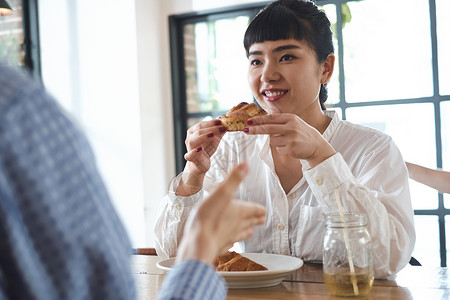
(345, 220)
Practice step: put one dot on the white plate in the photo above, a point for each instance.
(278, 267)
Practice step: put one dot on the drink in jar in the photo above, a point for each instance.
(347, 255)
(340, 281)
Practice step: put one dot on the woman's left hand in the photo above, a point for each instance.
(292, 136)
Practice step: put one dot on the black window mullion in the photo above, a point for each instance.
(437, 118)
(442, 238)
(31, 37)
(178, 75)
(340, 42)
(434, 51)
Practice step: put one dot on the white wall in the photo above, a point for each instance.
(89, 64)
(107, 62)
(156, 106)
(208, 4)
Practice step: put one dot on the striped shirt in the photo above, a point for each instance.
(60, 237)
(193, 280)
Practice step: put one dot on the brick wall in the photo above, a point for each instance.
(190, 65)
(11, 36)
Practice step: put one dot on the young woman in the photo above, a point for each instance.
(300, 154)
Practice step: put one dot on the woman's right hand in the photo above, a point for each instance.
(201, 142)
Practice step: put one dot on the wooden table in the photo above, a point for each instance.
(307, 283)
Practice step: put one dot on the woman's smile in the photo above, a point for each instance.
(272, 95)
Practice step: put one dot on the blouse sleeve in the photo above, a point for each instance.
(377, 186)
(172, 215)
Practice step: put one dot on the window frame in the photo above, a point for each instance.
(31, 37)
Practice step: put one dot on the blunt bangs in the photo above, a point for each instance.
(277, 23)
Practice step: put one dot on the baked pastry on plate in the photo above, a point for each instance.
(232, 261)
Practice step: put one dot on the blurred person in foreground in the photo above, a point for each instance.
(434, 178)
(60, 237)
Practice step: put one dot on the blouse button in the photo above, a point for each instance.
(280, 226)
(178, 207)
(319, 180)
(292, 196)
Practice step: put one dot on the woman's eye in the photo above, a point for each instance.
(286, 57)
(255, 62)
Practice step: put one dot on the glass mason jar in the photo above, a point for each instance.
(347, 255)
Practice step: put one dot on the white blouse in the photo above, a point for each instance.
(368, 171)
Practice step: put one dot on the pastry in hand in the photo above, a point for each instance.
(232, 261)
(236, 118)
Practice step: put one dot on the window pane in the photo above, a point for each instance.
(445, 133)
(11, 36)
(333, 85)
(416, 140)
(426, 250)
(443, 38)
(447, 238)
(387, 51)
(216, 64)
(445, 122)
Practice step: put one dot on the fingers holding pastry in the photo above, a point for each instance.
(270, 124)
(201, 142)
(204, 133)
(292, 136)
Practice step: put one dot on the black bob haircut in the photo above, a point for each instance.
(293, 19)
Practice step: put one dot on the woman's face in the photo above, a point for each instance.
(285, 76)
